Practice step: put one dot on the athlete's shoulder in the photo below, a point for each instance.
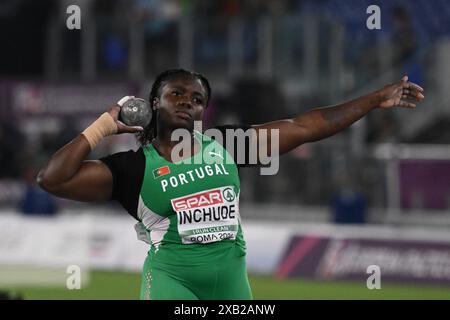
(128, 153)
(225, 127)
(127, 169)
(228, 136)
(124, 156)
(222, 131)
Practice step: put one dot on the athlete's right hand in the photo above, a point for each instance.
(122, 127)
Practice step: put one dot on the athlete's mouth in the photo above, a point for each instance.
(183, 114)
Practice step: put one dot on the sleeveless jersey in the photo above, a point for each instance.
(188, 211)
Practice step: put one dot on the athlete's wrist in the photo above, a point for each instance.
(375, 99)
(104, 126)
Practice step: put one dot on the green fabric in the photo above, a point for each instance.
(189, 214)
(221, 280)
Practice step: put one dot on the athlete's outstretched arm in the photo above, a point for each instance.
(321, 123)
(69, 175)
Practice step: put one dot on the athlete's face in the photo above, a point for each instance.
(182, 101)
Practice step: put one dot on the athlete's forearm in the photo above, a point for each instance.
(324, 122)
(64, 164)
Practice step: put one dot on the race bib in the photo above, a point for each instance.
(207, 216)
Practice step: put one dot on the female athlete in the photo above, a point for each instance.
(188, 211)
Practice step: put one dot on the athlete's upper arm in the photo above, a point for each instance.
(290, 135)
(268, 139)
(92, 182)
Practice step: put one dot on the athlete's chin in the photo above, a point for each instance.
(181, 123)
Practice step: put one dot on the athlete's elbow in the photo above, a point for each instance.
(41, 180)
(44, 182)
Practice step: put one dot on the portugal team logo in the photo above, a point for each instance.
(228, 194)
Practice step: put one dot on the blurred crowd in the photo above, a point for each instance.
(408, 34)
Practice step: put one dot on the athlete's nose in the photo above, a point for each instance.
(185, 104)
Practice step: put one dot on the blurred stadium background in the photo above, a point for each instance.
(376, 194)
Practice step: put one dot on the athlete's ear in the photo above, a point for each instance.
(155, 104)
(200, 116)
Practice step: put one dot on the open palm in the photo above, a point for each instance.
(401, 94)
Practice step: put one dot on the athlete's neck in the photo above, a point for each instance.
(164, 145)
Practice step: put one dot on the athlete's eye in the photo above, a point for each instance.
(176, 93)
(198, 100)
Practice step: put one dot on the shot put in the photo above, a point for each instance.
(136, 112)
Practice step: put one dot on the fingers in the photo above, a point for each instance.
(114, 111)
(406, 104)
(412, 94)
(411, 85)
(412, 91)
(135, 129)
(123, 128)
(420, 97)
(409, 97)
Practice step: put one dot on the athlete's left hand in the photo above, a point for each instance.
(400, 94)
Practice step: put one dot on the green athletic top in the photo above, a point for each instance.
(187, 211)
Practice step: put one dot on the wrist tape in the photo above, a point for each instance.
(102, 127)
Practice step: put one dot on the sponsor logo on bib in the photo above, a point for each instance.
(229, 195)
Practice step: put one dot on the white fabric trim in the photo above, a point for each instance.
(123, 100)
(155, 224)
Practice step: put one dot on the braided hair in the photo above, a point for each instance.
(145, 137)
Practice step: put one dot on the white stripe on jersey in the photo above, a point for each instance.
(154, 223)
